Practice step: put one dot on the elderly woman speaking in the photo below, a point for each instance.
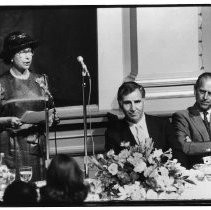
(21, 91)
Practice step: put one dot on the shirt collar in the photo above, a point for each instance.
(23, 76)
(208, 112)
(208, 115)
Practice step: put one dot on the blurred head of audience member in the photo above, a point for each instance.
(20, 194)
(65, 182)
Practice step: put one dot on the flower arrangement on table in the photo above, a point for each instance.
(138, 172)
(7, 175)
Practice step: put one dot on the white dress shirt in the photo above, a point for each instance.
(142, 126)
(208, 115)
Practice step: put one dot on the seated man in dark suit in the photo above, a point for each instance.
(192, 126)
(137, 126)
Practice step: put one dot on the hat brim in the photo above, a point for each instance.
(6, 53)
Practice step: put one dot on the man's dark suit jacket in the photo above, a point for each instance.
(189, 124)
(159, 129)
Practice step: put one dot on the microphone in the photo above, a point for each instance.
(84, 67)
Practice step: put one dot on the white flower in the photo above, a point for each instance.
(92, 197)
(151, 194)
(137, 192)
(140, 167)
(100, 156)
(168, 180)
(164, 171)
(151, 159)
(148, 171)
(194, 174)
(162, 196)
(116, 186)
(123, 155)
(3, 168)
(122, 193)
(5, 175)
(125, 144)
(174, 160)
(157, 153)
(154, 174)
(160, 182)
(95, 185)
(137, 155)
(131, 160)
(136, 195)
(113, 168)
(110, 152)
(166, 183)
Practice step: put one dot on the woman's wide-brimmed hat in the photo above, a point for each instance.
(16, 41)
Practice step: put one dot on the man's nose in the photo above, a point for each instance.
(205, 95)
(133, 106)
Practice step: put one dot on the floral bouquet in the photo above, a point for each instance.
(6, 176)
(138, 172)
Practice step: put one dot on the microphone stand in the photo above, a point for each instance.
(54, 123)
(84, 74)
(47, 158)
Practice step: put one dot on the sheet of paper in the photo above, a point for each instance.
(32, 117)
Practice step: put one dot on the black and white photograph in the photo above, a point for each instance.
(105, 105)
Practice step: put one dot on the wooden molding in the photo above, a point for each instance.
(172, 94)
(167, 82)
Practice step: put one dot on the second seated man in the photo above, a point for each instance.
(136, 126)
(192, 126)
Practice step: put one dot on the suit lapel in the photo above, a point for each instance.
(127, 135)
(151, 127)
(198, 123)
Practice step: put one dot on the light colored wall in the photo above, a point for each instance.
(167, 40)
(206, 29)
(110, 55)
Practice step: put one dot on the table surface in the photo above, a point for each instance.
(199, 194)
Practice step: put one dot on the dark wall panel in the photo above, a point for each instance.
(64, 32)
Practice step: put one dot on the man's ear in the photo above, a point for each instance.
(194, 91)
(120, 104)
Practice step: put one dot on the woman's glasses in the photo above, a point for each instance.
(27, 51)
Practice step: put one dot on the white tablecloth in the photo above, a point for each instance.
(199, 191)
(202, 190)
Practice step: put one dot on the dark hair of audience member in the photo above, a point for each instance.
(65, 181)
(200, 79)
(20, 193)
(127, 88)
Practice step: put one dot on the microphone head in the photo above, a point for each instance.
(80, 59)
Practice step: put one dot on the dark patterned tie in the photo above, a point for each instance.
(207, 124)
